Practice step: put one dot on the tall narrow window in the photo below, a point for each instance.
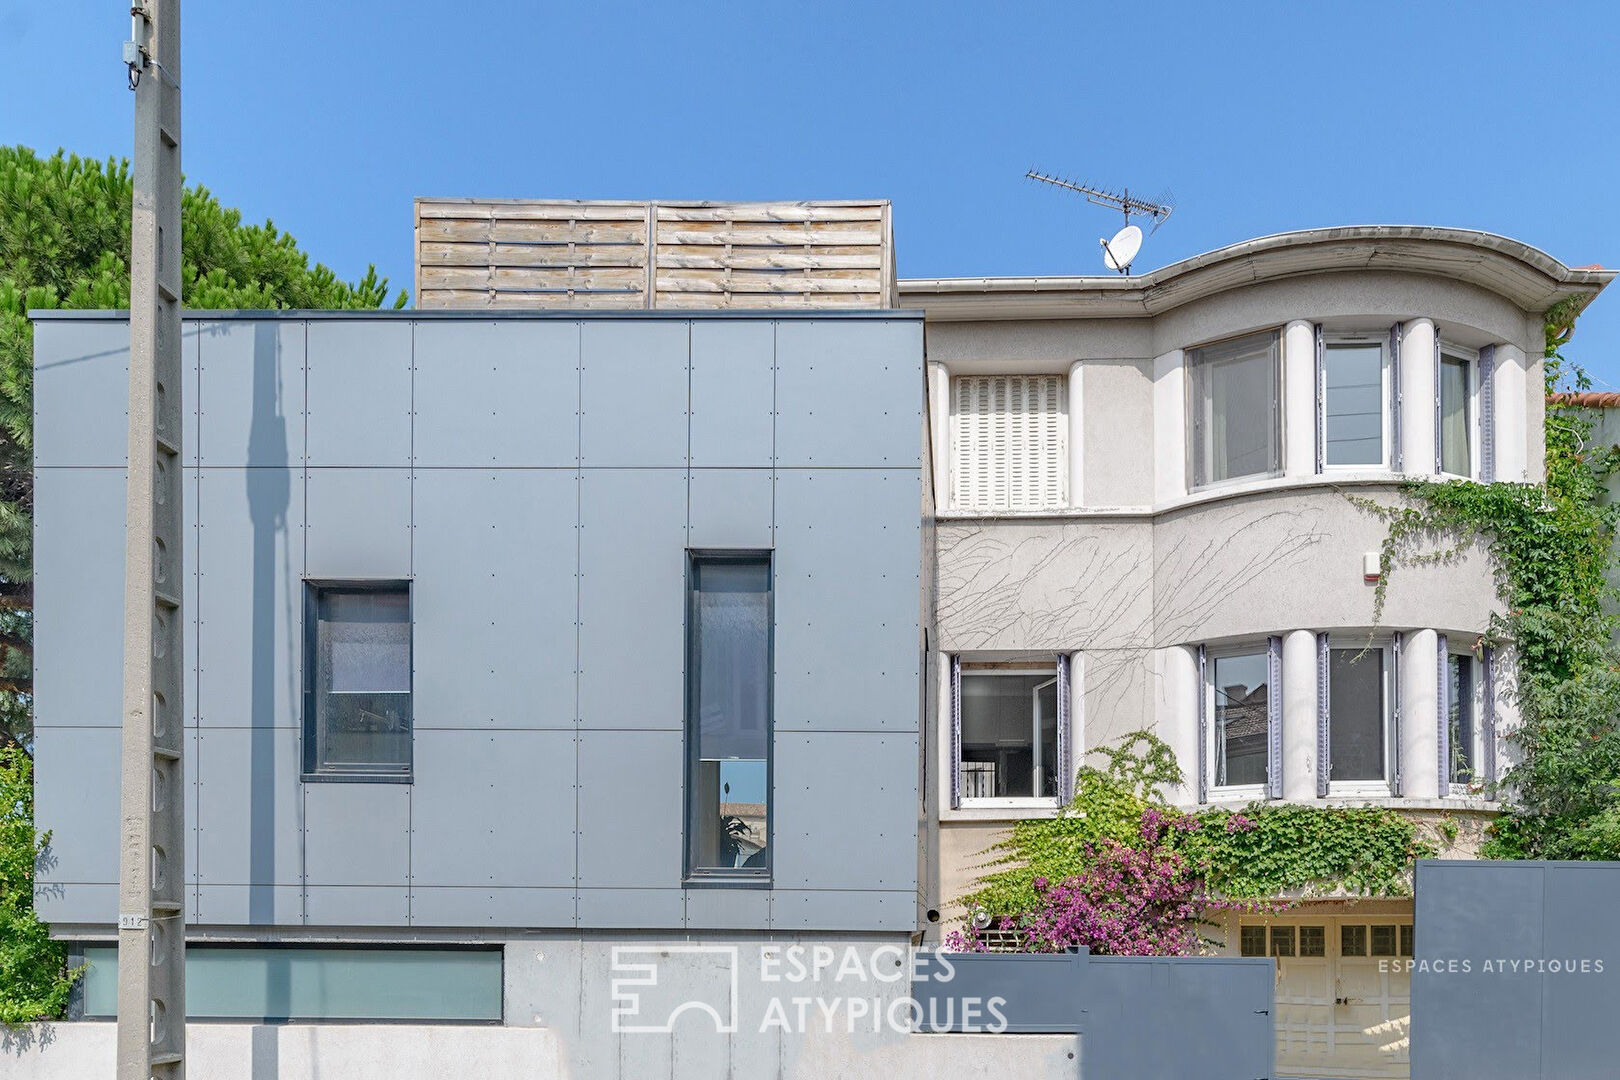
(1358, 713)
(728, 715)
(1239, 688)
(1456, 414)
(1460, 718)
(1009, 438)
(1233, 390)
(357, 681)
(1353, 397)
(1009, 739)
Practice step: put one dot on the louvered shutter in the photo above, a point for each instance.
(1274, 759)
(1442, 698)
(1203, 725)
(1395, 458)
(1324, 745)
(1321, 401)
(1397, 779)
(1010, 442)
(1487, 414)
(956, 733)
(1065, 752)
(1488, 716)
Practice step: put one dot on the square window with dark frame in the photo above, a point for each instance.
(1352, 940)
(728, 715)
(1252, 941)
(1357, 713)
(1313, 941)
(1282, 941)
(1385, 941)
(1460, 718)
(357, 680)
(1009, 733)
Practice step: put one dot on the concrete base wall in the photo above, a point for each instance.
(407, 1052)
(814, 1007)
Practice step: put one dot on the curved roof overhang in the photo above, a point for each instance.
(1528, 277)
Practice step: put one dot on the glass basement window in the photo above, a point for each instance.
(728, 721)
(460, 985)
(357, 681)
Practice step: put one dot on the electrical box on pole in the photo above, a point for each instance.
(151, 910)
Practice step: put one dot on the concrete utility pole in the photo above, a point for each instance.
(151, 912)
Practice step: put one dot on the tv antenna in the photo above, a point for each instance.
(1119, 252)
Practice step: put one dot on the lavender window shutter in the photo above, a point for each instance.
(1321, 402)
(1395, 397)
(1487, 414)
(1065, 769)
(1203, 725)
(1274, 759)
(1397, 780)
(1488, 727)
(1324, 747)
(956, 733)
(1442, 699)
(1438, 448)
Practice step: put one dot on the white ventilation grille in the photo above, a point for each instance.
(1008, 442)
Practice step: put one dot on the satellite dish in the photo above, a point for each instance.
(1121, 250)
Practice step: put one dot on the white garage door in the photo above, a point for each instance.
(1343, 994)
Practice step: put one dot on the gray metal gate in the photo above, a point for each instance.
(1139, 1017)
(1516, 971)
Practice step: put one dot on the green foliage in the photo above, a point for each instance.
(1551, 546)
(1266, 850)
(64, 243)
(34, 976)
(1277, 849)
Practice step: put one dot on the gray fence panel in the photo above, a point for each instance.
(1220, 1007)
(1517, 971)
(1042, 992)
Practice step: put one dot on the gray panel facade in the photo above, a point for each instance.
(538, 480)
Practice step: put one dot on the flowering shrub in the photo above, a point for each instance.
(1140, 899)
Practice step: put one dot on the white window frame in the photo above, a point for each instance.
(1192, 410)
(1225, 792)
(1476, 738)
(1381, 340)
(1365, 789)
(1470, 357)
(1017, 802)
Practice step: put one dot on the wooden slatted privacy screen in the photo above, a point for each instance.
(539, 253)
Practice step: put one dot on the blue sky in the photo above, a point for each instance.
(329, 118)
